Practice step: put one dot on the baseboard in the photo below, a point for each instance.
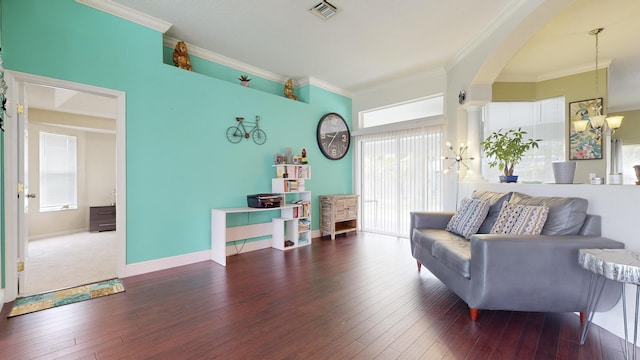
(186, 259)
(166, 263)
(60, 233)
(192, 258)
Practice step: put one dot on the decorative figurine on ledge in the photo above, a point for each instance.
(288, 90)
(303, 160)
(244, 80)
(181, 56)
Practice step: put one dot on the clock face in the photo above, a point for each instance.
(333, 136)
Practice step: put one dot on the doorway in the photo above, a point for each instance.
(54, 106)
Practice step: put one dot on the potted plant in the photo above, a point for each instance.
(244, 80)
(505, 150)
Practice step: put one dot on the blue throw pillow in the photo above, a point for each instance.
(467, 220)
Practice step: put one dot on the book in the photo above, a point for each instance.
(304, 224)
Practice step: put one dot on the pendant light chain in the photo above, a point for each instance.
(595, 32)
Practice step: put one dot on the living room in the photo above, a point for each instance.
(176, 159)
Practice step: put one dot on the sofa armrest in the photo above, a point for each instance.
(534, 273)
(431, 220)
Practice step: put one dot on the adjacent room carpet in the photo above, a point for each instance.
(69, 260)
(53, 299)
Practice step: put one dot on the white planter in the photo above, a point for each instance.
(564, 171)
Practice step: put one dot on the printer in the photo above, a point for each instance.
(264, 200)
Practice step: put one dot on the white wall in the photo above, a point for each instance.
(475, 69)
(400, 90)
(101, 169)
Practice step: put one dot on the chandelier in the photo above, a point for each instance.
(458, 158)
(594, 118)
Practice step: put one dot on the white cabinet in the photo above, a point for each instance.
(293, 228)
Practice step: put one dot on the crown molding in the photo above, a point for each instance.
(622, 108)
(602, 64)
(162, 26)
(126, 13)
(323, 85)
(253, 70)
(226, 61)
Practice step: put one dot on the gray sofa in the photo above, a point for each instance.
(516, 272)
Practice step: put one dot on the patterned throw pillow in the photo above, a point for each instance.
(467, 220)
(520, 219)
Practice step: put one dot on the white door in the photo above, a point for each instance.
(24, 195)
(16, 174)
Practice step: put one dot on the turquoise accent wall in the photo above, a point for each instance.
(179, 162)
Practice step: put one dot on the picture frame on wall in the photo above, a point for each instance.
(587, 144)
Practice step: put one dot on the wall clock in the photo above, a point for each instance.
(333, 136)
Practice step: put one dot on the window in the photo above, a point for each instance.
(630, 157)
(544, 119)
(398, 172)
(398, 165)
(58, 172)
(410, 110)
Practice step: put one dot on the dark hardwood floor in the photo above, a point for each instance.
(358, 297)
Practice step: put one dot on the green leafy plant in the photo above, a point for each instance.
(244, 78)
(505, 149)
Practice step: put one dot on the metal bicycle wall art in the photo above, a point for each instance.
(245, 130)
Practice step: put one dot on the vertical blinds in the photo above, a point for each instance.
(398, 172)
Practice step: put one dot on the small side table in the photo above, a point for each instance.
(614, 264)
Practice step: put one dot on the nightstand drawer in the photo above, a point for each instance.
(102, 218)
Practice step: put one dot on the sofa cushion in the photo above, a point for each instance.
(495, 200)
(454, 253)
(566, 214)
(427, 237)
(520, 219)
(467, 220)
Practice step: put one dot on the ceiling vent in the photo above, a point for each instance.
(324, 10)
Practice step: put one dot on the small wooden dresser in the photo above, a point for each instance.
(338, 214)
(102, 218)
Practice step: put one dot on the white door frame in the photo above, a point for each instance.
(11, 176)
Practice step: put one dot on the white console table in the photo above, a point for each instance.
(221, 235)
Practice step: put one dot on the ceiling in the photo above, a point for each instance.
(369, 42)
(563, 47)
(365, 43)
(71, 101)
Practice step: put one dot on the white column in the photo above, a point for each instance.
(607, 153)
(474, 138)
(614, 176)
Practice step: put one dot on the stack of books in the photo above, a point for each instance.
(304, 224)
